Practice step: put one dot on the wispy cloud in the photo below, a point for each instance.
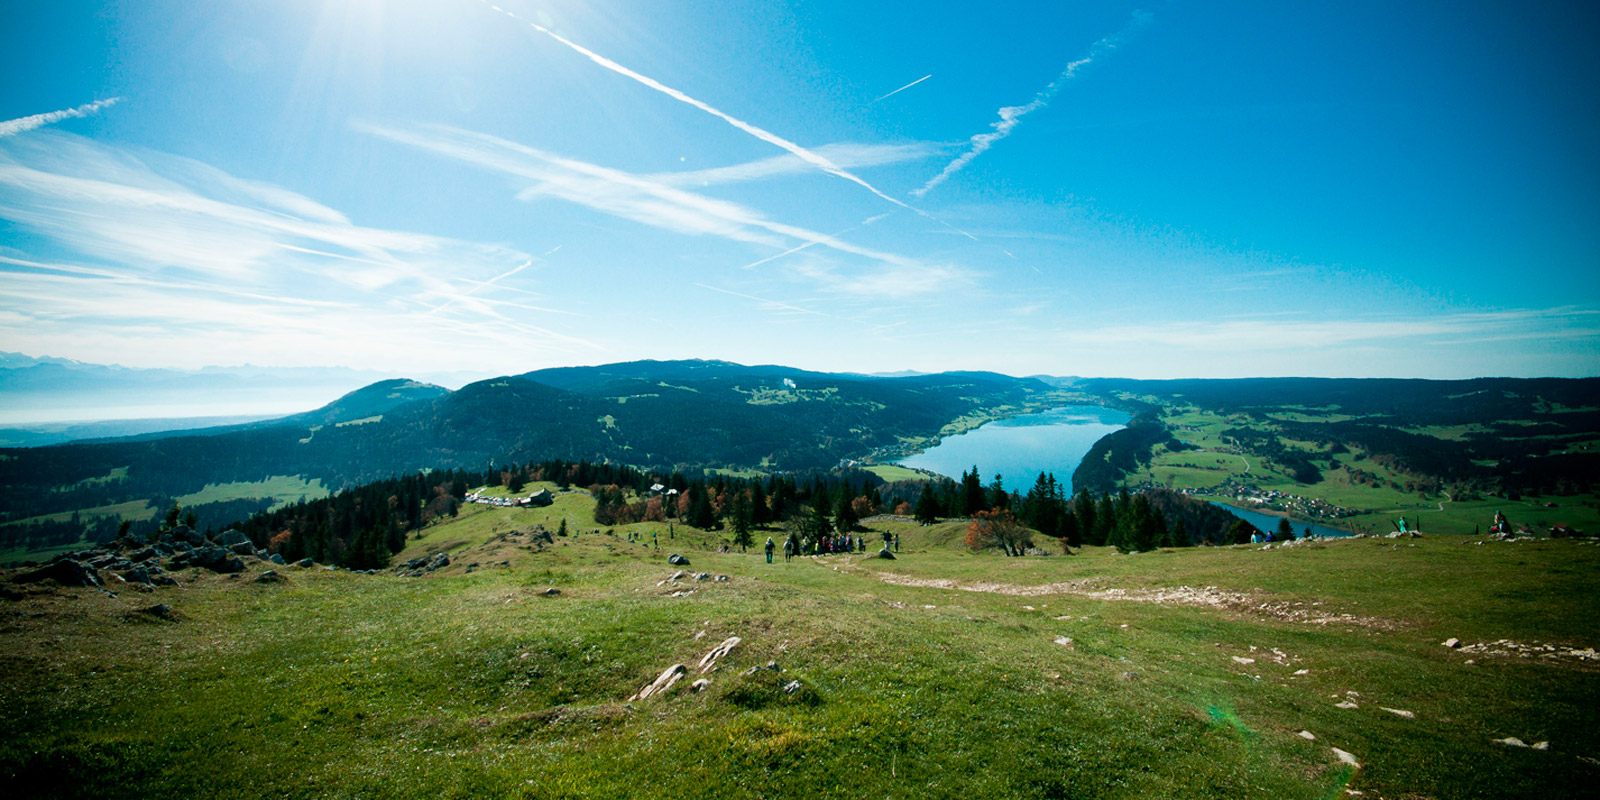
(1011, 116)
(811, 157)
(851, 155)
(649, 202)
(901, 89)
(153, 248)
(13, 127)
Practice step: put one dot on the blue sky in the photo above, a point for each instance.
(1165, 189)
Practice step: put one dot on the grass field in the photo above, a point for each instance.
(940, 674)
(283, 489)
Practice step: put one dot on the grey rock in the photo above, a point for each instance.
(791, 687)
(216, 559)
(65, 572)
(677, 560)
(702, 576)
(551, 592)
(306, 563)
(242, 549)
(884, 553)
(160, 611)
(723, 578)
(143, 555)
(231, 537)
(163, 580)
(278, 559)
(137, 575)
(270, 576)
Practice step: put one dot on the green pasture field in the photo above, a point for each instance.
(942, 673)
(283, 489)
(895, 472)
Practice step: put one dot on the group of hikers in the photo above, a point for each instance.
(843, 543)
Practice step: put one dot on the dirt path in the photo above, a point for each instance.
(1206, 597)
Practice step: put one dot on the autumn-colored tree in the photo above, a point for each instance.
(654, 511)
(1000, 528)
(278, 540)
(863, 507)
(902, 510)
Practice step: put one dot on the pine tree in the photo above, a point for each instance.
(927, 511)
(740, 515)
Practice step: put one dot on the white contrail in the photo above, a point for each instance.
(13, 127)
(766, 136)
(1010, 116)
(798, 248)
(903, 88)
(480, 285)
(765, 301)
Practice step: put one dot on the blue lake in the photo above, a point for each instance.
(1268, 522)
(1020, 448)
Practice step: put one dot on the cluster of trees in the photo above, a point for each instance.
(1130, 522)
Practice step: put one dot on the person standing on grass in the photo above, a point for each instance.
(788, 548)
(769, 549)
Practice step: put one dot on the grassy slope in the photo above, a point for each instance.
(1217, 462)
(471, 684)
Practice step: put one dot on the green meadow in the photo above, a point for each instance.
(943, 673)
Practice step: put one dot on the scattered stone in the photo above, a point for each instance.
(551, 592)
(702, 576)
(143, 555)
(306, 563)
(1307, 735)
(243, 549)
(1243, 660)
(1345, 704)
(277, 559)
(699, 685)
(137, 575)
(723, 578)
(1451, 642)
(679, 575)
(661, 684)
(1511, 741)
(1064, 641)
(1302, 672)
(1346, 758)
(1541, 745)
(709, 661)
(270, 576)
(677, 560)
(791, 687)
(771, 666)
(1399, 712)
(884, 553)
(163, 580)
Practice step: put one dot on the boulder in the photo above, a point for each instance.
(244, 548)
(216, 559)
(278, 559)
(184, 533)
(143, 555)
(137, 575)
(551, 592)
(270, 576)
(884, 553)
(305, 563)
(677, 560)
(66, 572)
(231, 537)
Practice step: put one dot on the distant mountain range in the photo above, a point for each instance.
(669, 414)
(45, 399)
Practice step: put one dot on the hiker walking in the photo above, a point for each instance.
(769, 549)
